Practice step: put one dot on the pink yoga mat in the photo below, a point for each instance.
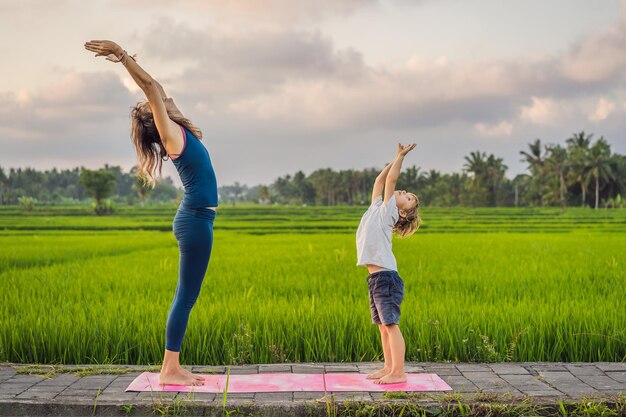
(149, 381)
(287, 382)
(359, 382)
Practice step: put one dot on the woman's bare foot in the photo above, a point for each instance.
(392, 378)
(379, 374)
(179, 377)
(196, 376)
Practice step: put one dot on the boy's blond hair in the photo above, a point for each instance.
(410, 222)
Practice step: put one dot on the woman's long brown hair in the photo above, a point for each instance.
(145, 137)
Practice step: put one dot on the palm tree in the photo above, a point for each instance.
(535, 160)
(455, 187)
(409, 178)
(556, 164)
(578, 148)
(600, 169)
(476, 164)
(617, 165)
(495, 170)
(3, 182)
(579, 140)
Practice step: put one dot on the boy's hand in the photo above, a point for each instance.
(403, 150)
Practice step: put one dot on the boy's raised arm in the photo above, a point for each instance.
(380, 182)
(394, 171)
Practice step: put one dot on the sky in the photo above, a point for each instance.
(279, 86)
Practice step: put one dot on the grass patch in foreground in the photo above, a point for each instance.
(50, 371)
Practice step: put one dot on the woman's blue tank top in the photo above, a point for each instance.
(196, 173)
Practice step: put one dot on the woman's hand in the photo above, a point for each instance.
(403, 150)
(109, 49)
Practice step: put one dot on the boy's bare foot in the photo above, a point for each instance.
(392, 378)
(379, 374)
(179, 377)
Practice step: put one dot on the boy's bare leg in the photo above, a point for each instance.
(396, 342)
(384, 337)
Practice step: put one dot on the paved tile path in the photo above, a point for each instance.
(67, 394)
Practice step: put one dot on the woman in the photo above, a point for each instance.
(160, 130)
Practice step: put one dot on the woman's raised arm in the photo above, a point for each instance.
(168, 130)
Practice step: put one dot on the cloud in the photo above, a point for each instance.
(75, 100)
(265, 12)
(503, 128)
(541, 111)
(286, 77)
(604, 108)
(288, 10)
(597, 58)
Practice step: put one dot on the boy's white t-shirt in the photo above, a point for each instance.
(373, 237)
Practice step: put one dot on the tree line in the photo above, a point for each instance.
(75, 186)
(581, 172)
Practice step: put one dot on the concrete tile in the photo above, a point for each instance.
(307, 369)
(82, 393)
(611, 366)
(237, 396)
(508, 369)
(576, 390)
(450, 370)
(526, 383)
(547, 367)
(414, 369)
(617, 376)
(340, 368)
(473, 367)
(459, 383)
(352, 396)
(47, 388)
(558, 376)
(581, 370)
(483, 377)
(244, 370)
(601, 382)
(277, 368)
(113, 390)
(60, 380)
(209, 369)
(14, 388)
(273, 397)
(40, 395)
(613, 393)
(118, 396)
(24, 379)
(307, 395)
(545, 393)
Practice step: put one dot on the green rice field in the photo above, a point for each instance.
(282, 286)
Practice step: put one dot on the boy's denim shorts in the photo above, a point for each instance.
(386, 290)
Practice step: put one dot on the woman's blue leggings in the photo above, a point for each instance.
(193, 229)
